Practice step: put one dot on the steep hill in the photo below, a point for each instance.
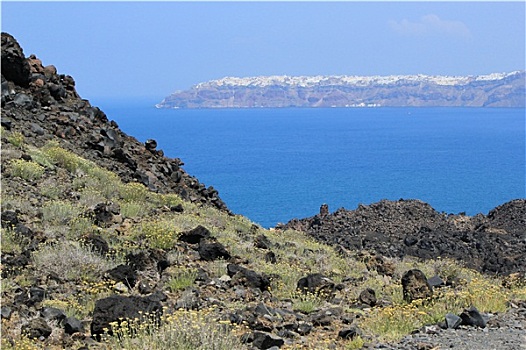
(43, 105)
(493, 90)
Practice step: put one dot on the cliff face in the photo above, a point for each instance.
(42, 104)
(494, 90)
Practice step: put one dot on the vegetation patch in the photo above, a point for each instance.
(26, 170)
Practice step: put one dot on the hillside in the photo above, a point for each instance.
(493, 90)
(108, 244)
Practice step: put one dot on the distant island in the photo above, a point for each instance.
(492, 90)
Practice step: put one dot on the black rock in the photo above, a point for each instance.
(177, 208)
(410, 240)
(14, 64)
(52, 314)
(368, 297)
(117, 308)
(212, 251)
(150, 145)
(262, 242)
(23, 101)
(436, 281)
(248, 278)
(315, 283)
(72, 325)
(97, 243)
(270, 257)
(105, 213)
(472, 317)
(415, 286)
(123, 273)
(36, 295)
(304, 328)
(37, 328)
(6, 312)
(195, 235)
(348, 333)
(264, 340)
(9, 218)
(452, 321)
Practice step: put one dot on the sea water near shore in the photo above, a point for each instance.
(272, 165)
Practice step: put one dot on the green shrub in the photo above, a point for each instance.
(157, 233)
(90, 197)
(183, 279)
(27, 170)
(38, 156)
(16, 138)
(51, 191)
(181, 330)
(133, 209)
(62, 157)
(59, 212)
(133, 191)
(11, 242)
(71, 261)
(306, 302)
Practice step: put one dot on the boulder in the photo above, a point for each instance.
(209, 251)
(72, 325)
(472, 317)
(265, 340)
(452, 321)
(415, 286)
(270, 257)
(117, 308)
(348, 333)
(15, 67)
(123, 273)
(368, 297)
(107, 214)
(195, 235)
(97, 243)
(37, 328)
(315, 283)
(248, 278)
(52, 314)
(262, 242)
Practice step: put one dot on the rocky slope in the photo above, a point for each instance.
(151, 259)
(493, 243)
(493, 90)
(43, 105)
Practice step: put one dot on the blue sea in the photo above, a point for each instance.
(273, 165)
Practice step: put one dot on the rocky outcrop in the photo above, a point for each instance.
(42, 105)
(493, 243)
(493, 90)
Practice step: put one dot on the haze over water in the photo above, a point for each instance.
(273, 165)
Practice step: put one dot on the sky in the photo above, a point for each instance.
(151, 49)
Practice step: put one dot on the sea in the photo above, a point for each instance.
(273, 165)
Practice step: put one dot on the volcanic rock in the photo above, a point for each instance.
(415, 286)
(315, 283)
(248, 278)
(368, 297)
(472, 317)
(494, 243)
(117, 308)
(209, 251)
(37, 328)
(195, 235)
(42, 104)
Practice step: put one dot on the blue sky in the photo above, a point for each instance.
(150, 49)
